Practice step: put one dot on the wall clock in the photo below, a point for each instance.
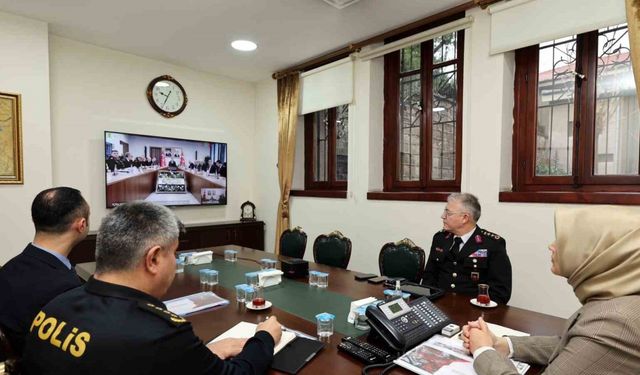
(167, 96)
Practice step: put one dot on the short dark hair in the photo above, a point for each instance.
(53, 210)
(129, 230)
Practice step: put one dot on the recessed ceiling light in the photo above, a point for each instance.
(244, 45)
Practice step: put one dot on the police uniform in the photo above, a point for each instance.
(482, 260)
(104, 328)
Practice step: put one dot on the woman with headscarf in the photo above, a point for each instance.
(598, 250)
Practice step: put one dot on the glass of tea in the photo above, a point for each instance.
(258, 297)
(483, 294)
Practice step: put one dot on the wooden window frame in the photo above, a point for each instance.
(309, 148)
(426, 183)
(582, 186)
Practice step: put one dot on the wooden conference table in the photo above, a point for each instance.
(210, 324)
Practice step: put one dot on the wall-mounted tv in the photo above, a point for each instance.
(168, 171)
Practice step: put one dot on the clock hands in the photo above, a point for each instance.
(166, 98)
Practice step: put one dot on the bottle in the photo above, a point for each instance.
(397, 293)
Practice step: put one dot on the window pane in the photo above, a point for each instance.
(556, 86)
(320, 138)
(410, 58)
(617, 121)
(443, 132)
(410, 128)
(444, 48)
(342, 141)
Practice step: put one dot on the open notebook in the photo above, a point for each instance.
(245, 330)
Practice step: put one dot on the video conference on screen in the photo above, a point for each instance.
(168, 171)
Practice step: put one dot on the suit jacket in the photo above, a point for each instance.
(603, 337)
(482, 260)
(28, 282)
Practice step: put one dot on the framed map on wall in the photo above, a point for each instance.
(10, 139)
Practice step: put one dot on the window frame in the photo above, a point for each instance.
(583, 182)
(332, 184)
(391, 161)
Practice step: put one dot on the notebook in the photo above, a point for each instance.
(296, 354)
(245, 330)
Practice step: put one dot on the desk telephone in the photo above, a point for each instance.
(403, 326)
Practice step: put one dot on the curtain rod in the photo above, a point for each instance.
(355, 47)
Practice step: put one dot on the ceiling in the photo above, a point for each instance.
(197, 33)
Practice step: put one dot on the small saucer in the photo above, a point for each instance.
(490, 305)
(266, 305)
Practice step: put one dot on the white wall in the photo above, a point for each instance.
(24, 69)
(488, 103)
(95, 89)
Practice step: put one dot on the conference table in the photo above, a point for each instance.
(295, 303)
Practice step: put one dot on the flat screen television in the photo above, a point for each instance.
(168, 171)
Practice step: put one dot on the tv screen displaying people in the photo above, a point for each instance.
(168, 171)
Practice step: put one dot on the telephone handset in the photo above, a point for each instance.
(402, 325)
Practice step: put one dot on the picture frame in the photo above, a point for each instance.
(11, 168)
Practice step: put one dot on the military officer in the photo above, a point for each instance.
(116, 324)
(463, 255)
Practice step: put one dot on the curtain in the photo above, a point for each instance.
(633, 20)
(288, 97)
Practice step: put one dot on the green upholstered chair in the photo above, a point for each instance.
(402, 259)
(293, 243)
(332, 249)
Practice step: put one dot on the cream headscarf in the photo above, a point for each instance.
(599, 250)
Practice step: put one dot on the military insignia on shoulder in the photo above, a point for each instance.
(478, 238)
(486, 233)
(164, 314)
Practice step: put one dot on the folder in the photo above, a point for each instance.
(296, 354)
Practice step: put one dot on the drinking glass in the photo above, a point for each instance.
(258, 297)
(230, 255)
(313, 278)
(252, 278)
(241, 293)
(483, 294)
(204, 276)
(212, 277)
(325, 324)
(323, 279)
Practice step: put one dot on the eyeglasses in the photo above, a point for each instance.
(448, 213)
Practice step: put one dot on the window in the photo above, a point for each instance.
(423, 116)
(326, 144)
(577, 124)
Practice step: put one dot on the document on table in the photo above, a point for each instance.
(195, 302)
(245, 330)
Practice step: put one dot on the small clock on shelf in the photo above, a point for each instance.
(248, 211)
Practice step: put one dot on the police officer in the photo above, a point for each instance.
(463, 255)
(115, 323)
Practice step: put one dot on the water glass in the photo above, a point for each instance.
(230, 255)
(179, 265)
(313, 278)
(204, 276)
(323, 279)
(252, 278)
(212, 277)
(241, 293)
(325, 324)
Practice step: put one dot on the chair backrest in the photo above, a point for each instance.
(402, 259)
(332, 249)
(293, 243)
(8, 355)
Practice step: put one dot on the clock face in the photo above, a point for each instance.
(247, 211)
(167, 96)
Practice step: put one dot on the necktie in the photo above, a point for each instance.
(455, 247)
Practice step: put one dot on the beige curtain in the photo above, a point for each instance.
(288, 97)
(633, 20)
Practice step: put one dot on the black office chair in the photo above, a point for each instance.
(333, 250)
(293, 243)
(402, 259)
(8, 355)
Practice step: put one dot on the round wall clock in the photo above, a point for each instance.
(167, 96)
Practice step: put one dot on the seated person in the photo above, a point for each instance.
(116, 323)
(596, 249)
(172, 163)
(42, 271)
(114, 162)
(463, 255)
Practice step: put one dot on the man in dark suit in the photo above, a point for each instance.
(42, 271)
(463, 255)
(116, 323)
